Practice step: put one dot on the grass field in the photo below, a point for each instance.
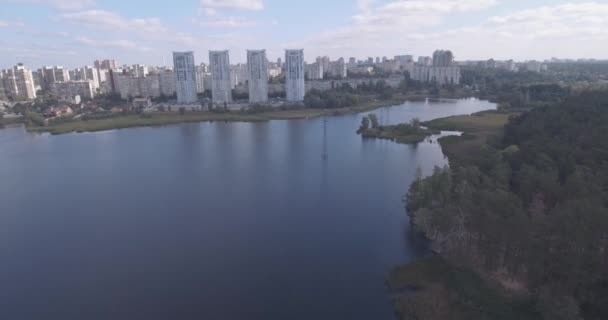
(168, 118)
(476, 128)
(431, 288)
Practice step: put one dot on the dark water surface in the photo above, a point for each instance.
(210, 220)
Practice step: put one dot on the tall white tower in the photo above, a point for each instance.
(257, 67)
(294, 75)
(221, 91)
(185, 77)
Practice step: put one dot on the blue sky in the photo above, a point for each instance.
(76, 32)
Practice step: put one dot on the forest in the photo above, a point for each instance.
(528, 213)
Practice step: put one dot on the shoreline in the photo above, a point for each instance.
(159, 119)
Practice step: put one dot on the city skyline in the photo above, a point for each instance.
(75, 32)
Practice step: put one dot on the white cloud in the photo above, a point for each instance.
(57, 4)
(419, 27)
(255, 5)
(124, 44)
(17, 23)
(224, 22)
(107, 20)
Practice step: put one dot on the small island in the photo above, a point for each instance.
(411, 132)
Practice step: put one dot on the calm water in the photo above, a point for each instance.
(209, 221)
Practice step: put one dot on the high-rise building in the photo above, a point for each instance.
(106, 64)
(257, 67)
(221, 91)
(294, 75)
(443, 58)
(443, 71)
(91, 74)
(338, 68)
(314, 71)
(70, 89)
(201, 72)
(238, 75)
(50, 75)
(19, 82)
(425, 61)
(185, 77)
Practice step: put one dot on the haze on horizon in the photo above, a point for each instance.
(75, 32)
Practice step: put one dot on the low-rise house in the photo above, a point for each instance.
(57, 111)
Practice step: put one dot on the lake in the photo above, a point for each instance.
(297, 219)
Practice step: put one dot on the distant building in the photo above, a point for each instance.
(425, 61)
(155, 84)
(201, 72)
(18, 83)
(221, 91)
(91, 74)
(404, 59)
(257, 66)
(106, 64)
(67, 89)
(443, 58)
(50, 75)
(238, 75)
(294, 77)
(534, 66)
(185, 77)
(314, 71)
(338, 68)
(443, 70)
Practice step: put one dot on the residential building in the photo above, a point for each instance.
(443, 70)
(257, 66)
(91, 74)
(314, 71)
(19, 83)
(50, 75)
(221, 90)
(534, 66)
(425, 61)
(185, 77)
(294, 76)
(201, 72)
(106, 64)
(69, 89)
(443, 58)
(168, 83)
(404, 59)
(238, 75)
(338, 69)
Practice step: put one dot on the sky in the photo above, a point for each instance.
(74, 33)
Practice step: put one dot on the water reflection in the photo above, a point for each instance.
(216, 220)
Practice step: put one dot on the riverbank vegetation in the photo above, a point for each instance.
(524, 220)
(411, 132)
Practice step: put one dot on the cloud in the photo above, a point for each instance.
(572, 29)
(124, 44)
(107, 20)
(224, 22)
(17, 23)
(254, 5)
(57, 4)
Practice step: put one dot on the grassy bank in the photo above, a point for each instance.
(477, 129)
(401, 133)
(168, 118)
(432, 289)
